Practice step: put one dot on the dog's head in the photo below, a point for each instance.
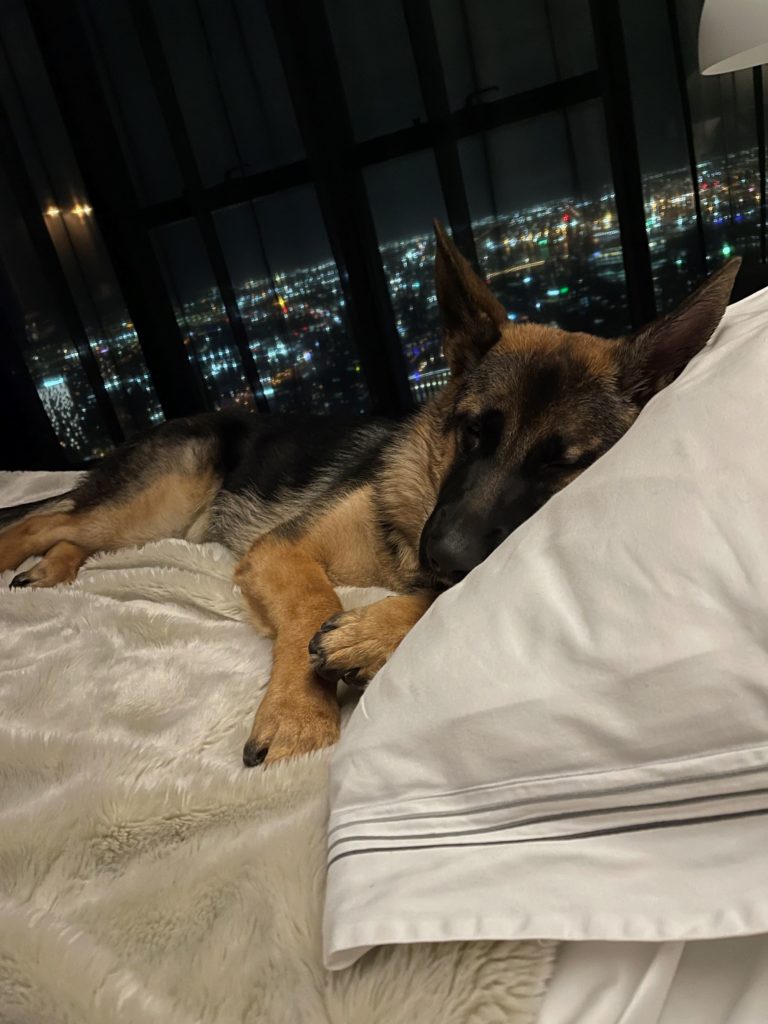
(533, 406)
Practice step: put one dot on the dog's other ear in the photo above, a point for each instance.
(656, 354)
(470, 315)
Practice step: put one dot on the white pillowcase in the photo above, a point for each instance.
(573, 743)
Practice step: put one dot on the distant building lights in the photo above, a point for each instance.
(726, 250)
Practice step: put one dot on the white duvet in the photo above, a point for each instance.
(145, 875)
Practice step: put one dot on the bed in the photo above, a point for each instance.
(145, 875)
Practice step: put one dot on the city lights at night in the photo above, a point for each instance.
(558, 263)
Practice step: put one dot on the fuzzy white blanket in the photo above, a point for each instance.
(145, 876)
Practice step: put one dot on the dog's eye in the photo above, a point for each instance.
(566, 464)
(471, 434)
(555, 455)
(481, 432)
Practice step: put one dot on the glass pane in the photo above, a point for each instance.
(377, 66)
(497, 48)
(113, 339)
(725, 143)
(55, 178)
(668, 188)
(230, 86)
(201, 315)
(49, 352)
(135, 110)
(545, 222)
(405, 197)
(290, 297)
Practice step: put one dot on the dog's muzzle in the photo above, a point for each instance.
(451, 548)
(460, 534)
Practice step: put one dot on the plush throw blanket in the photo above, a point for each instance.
(145, 876)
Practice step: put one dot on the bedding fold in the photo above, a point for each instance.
(573, 742)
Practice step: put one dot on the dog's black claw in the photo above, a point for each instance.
(355, 680)
(315, 644)
(22, 580)
(337, 675)
(330, 675)
(254, 753)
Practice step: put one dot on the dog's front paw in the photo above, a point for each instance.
(350, 647)
(291, 727)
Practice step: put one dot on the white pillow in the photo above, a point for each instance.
(573, 743)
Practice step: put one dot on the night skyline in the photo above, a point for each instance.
(554, 263)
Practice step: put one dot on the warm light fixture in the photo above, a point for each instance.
(82, 210)
(733, 35)
(52, 211)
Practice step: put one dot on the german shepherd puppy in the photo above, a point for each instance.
(310, 503)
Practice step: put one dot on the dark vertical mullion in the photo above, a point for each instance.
(757, 80)
(306, 50)
(685, 102)
(575, 169)
(233, 138)
(625, 158)
(162, 82)
(29, 208)
(421, 30)
(62, 38)
(475, 98)
(256, 88)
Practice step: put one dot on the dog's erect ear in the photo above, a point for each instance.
(656, 354)
(470, 315)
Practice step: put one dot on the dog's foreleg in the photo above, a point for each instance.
(290, 595)
(352, 646)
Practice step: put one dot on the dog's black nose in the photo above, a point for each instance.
(450, 555)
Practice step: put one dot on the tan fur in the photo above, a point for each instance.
(61, 564)
(166, 507)
(597, 354)
(416, 466)
(361, 641)
(291, 596)
(32, 536)
(343, 541)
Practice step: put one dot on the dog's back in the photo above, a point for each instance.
(230, 476)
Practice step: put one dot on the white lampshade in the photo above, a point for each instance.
(733, 34)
